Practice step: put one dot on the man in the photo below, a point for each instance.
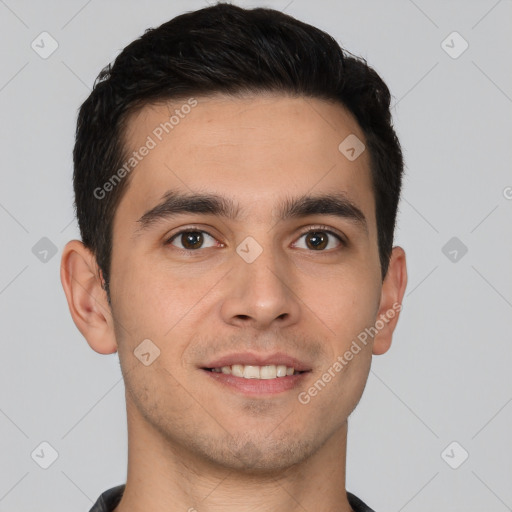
(236, 185)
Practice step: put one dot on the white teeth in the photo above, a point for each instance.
(251, 372)
(281, 371)
(270, 371)
(237, 370)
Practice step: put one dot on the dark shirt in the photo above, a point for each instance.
(111, 498)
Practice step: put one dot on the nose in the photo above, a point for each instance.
(260, 294)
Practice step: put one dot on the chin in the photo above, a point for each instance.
(261, 455)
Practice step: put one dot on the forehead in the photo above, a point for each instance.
(257, 149)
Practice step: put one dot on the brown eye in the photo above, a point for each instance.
(319, 239)
(190, 240)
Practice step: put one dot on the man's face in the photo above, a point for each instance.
(255, 286)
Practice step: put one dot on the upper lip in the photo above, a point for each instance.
(254, 359)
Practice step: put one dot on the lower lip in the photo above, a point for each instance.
(258, 386)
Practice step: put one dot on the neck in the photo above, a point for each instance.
(163, 476)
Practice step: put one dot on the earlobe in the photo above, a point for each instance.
(87, 300)
(393, 289)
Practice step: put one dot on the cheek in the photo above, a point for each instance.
(146, 304)
(162, 304)
(345, 303)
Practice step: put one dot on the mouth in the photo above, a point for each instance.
(265, 372)
(253, 374)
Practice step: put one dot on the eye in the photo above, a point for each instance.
(190, 239)
(317, 239)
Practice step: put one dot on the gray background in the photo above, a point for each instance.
(447, 375)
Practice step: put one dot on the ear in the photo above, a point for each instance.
(393, 289)
(87, 300)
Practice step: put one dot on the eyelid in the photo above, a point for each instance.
(327, 229)
(186, 229)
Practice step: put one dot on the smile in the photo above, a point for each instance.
(266, 372)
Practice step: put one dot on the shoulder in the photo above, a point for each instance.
(357, 504)
(109, 499)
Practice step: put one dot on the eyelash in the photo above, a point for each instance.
(311, 229)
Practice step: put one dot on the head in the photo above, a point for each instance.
(225, 49)
(252, 105)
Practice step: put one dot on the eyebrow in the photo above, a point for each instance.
(176, 203)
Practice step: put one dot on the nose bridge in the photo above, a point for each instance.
(260, 262)
(260, 265)
(260, 290)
